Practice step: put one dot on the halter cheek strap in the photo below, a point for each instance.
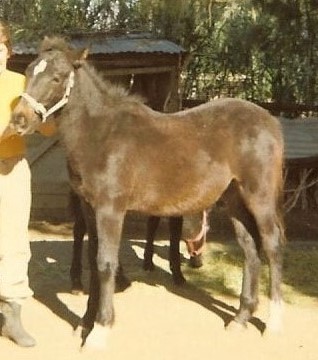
(41, 109)
(195, 245)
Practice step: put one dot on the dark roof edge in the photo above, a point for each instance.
(102, 43)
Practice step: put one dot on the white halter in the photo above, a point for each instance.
(40, 108)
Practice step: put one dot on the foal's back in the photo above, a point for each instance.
(184, 161)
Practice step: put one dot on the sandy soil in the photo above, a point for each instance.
(154, 319)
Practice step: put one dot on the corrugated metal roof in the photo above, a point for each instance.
(301, 138)
(100, 43)
(25, 48)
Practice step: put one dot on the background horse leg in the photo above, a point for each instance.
(79, 231)
(152, 226)
(175, 228)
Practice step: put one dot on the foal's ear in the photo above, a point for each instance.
(81, 55)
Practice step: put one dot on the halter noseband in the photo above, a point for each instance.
(41, 109)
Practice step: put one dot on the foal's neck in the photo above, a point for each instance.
(84, 116)
(91, 92)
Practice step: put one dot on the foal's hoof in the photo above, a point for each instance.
(236, 327)
(274, 323)
(97, 338)
(273, 328)
(196, 261)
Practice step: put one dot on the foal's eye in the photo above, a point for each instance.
(56, 79)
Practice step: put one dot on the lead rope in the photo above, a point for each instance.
(40, 108)
(200, 239)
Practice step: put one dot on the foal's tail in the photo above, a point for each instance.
(280, 204)
(281, 225)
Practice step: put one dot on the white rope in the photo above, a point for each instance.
(36, 106)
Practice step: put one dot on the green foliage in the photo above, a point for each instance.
(256, 49)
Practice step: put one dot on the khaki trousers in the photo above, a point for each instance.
(15, 203)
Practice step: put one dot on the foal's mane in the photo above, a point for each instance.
(114, 92)
(54, 43)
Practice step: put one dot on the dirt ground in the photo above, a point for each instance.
(155, 320)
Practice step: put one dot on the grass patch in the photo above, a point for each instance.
(223, 264)
(300, 271)
(221, 272)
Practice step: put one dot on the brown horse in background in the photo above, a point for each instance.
(131, 157)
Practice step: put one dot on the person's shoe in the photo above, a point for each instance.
(12, 327)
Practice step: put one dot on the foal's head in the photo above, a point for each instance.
(49, 83)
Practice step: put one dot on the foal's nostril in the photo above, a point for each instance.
(19, 121)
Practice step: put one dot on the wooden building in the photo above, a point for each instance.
(301, 162)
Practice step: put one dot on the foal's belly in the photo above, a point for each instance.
(182, 200)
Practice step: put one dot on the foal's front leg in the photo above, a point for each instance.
(109, 228)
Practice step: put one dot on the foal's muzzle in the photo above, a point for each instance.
(19, 123)
(23, 120)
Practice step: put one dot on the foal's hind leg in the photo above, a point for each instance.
(175, 228)
(270, 231)
(249, 293)
(270, 227)
(248, 238)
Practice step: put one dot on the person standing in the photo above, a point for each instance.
(15, 203)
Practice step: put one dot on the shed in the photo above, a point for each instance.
(301, 162)
(301, 141)
(145, 65)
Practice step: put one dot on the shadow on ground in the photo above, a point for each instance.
(51, 259)
(49, 276)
